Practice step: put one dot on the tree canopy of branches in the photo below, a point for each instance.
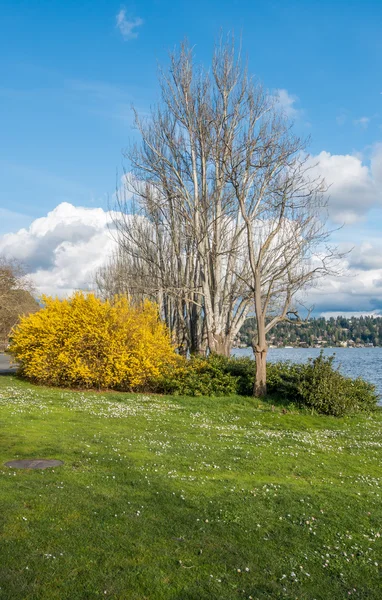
(15, 297)
(220, 213)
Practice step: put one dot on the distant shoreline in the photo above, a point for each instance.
(311, 347)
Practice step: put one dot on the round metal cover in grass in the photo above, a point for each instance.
(36, 463)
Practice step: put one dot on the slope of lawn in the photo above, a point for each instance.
(186, 498)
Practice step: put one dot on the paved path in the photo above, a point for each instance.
(5, 365)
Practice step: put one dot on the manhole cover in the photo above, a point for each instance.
(37, 463)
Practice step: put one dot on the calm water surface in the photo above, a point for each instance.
(354, 362)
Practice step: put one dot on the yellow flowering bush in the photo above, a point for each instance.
(86, 342)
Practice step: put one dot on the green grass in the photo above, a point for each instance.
(186, 498)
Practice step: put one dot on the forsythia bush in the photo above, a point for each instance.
(86, 342)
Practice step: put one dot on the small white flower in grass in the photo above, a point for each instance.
(247, 569)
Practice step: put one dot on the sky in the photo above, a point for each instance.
(71, 71)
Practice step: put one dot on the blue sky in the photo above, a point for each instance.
(70, 72)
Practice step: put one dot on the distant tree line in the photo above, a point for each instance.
(333, 332)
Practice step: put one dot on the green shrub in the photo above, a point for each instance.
(328, 392)
(315, 384)
(318, 385)
(243, 369)
(197, 377)
(284, 378)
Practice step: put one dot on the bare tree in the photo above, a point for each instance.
(283, 207)
(15, 297)
(229, 216)
(161, 267)
(188, 229)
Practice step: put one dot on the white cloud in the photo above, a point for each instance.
(366, 257)
(376, 164)
(287, 102)
(362, 122)
(127, 26)
(358, 289)
(351, 313)
(355, 186)
(63, 250)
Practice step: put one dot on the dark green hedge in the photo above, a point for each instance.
(315, 384)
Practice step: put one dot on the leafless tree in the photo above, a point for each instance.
(283, 208)
(229, 217)
(15, 296)
(152, 264)
(188, 230)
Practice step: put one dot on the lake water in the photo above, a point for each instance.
(354, 362)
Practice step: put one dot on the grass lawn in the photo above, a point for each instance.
(186, 498)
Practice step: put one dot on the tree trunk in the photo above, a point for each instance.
(223, 345)
(194, 326)
(260, 386)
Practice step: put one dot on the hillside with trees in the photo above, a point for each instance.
(338, 331)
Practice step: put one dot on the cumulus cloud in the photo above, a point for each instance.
(63, 250)
(366, 257)
(376, 164)
(358, 289)
(355, 185)
(357, 292)
(126, 26)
